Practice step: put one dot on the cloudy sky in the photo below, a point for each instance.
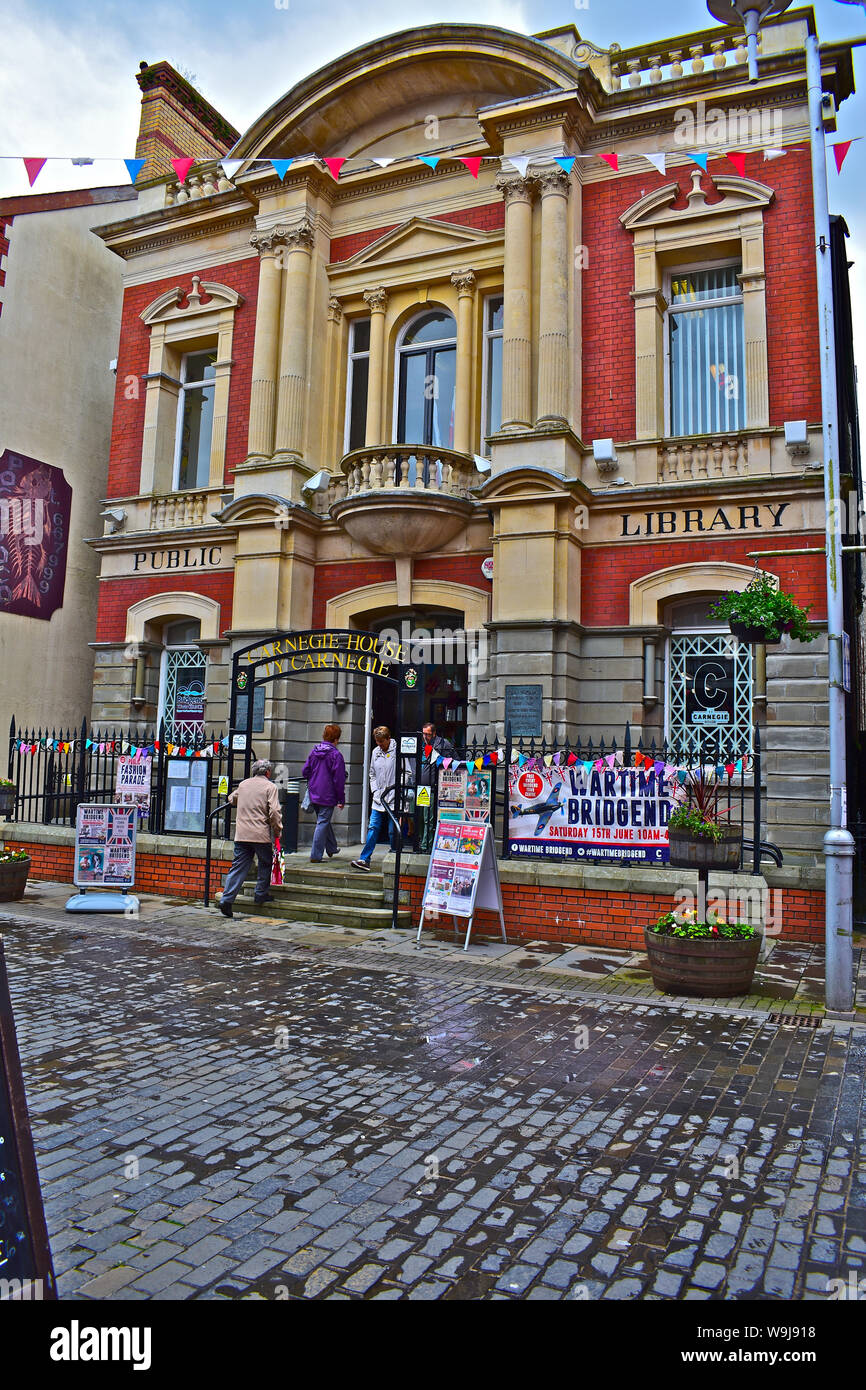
(67, 75)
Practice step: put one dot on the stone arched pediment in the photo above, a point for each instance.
(170, 306)
(375, 100)
(525, 481)
(258, 507)
(655, 210)
(167, 607)
(648, 594)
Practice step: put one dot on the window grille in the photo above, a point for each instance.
(707, 353)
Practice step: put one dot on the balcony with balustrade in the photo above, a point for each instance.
(403, 499)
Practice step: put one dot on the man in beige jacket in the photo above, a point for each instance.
(258, 820)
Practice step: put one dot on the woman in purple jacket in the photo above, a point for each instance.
(325, 772)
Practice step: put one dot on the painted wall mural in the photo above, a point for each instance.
(35, 506)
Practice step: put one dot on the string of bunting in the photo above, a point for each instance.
(183, 165)
(144, 750)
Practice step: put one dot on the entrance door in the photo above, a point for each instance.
(435, 643)
(183, 683)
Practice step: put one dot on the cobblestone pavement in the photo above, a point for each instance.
(220, 1115)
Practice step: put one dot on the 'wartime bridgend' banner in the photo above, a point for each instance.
(586, 812)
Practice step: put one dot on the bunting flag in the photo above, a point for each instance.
(225, 741)
(334, 166)
(730, 769)
(384, 160)
(610, 760)
(428, 749)
(182, 167)
(638, 759)
(282, 166)
(446, 763)
(682, 777)
(657, 160)
(494, 757)
(774, 154)
(566, 164)
(612, 160)
(840, 150)
(479, 763)
(587, 767)
(571, 759)
(700, 159)
(739, 163)
(548, 759)
(34, 168)
(520, 162)
(431, 160)
(134, 168)
(473, 164)
(231, 166)
(514, 755)
(658, 767)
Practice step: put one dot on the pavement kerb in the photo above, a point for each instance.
(263, 929)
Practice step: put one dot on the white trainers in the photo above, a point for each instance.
(359, 864)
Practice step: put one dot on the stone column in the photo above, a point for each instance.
(553, 362)
(377, 301)
(263, 391)
(517, 332)
(464, 280)
(291, 400)
(332, 420)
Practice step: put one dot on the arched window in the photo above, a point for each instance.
(709, 685)
(184, 682)
(426, 379)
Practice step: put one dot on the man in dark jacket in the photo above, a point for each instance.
(427, 815)
(325, 772)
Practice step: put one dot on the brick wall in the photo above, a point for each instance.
(489, 217)
(458, 569)
(167, 875)
(124, 469)
(591, 917)
(608, 311)
(330, 581)
(607, 571)
(176, 121)
(116, 596)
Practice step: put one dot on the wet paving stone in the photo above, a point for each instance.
(214, 1119)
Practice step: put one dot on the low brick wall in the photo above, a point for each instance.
(602, 906)
(169, 866)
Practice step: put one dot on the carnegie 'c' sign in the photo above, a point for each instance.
(35, 505)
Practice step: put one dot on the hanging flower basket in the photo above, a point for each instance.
(712, 960)
(762, 613)
(14, 868)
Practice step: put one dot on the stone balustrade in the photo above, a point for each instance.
(690, 460)
(650, 64)
(203, 181)
(178, 509)
(414, 468)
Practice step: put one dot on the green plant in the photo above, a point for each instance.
(684, 925)
(4, 782)
(763, 606)
(11, 856)
(700, 813)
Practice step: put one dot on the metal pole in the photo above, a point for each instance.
(838, 841)
(365, 775)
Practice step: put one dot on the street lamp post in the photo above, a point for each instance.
(838, 840)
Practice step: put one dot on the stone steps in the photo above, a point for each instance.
(329, 896)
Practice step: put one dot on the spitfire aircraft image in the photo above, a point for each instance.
(544, 812)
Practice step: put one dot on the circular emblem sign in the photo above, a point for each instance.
(487, 567)
(411, 678)
(242, 681)
(530, 785)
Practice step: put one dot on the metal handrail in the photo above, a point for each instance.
(225, 806)
(395, 900)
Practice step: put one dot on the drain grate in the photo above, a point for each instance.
(796, 1020)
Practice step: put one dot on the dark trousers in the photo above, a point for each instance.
(427, 828)
(245, 852)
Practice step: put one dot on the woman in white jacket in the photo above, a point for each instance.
(383, 777)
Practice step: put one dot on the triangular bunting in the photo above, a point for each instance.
(134, 168)
(840, 150)
(34, 168)
(479, 763)
(612, 160)
(431, 160)
(514, 755)
(473, 164)
(700, 159)
(519, 162)
(548, 759)
(334, 166)
(231, 166)
(446, 763)
(282, 166)
(657, 160)
(739, 163)
(567, 164)
(181, 167)
(385, 160)
(571, 759)
(774, 154)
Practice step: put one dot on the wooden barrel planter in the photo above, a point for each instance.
(712, 969)
(688, 851)
(13, 879)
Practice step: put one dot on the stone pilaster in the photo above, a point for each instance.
(291, 400)
(464, 282)
(553, 359)
(263, 391)
(517, 332)
(377, 301)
